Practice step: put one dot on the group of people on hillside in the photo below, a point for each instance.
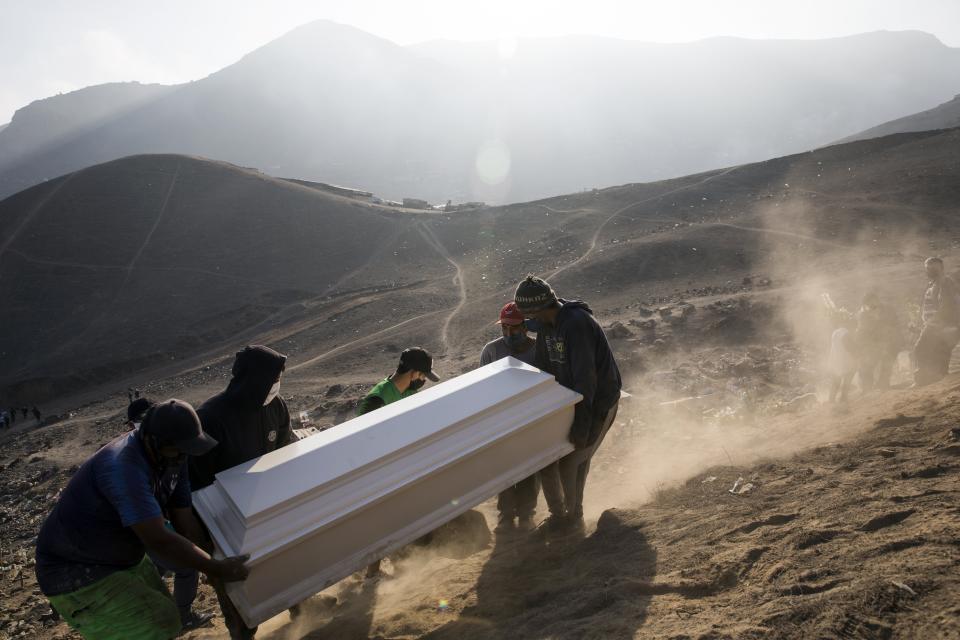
(125, 518)
(866, 344)
(8, 417)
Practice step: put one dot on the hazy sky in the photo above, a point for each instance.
(51, 46)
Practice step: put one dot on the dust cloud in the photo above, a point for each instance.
(725, 403)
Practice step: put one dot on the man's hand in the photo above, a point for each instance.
(231, 569)
(579, 436)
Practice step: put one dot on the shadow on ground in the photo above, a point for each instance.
(559, 588)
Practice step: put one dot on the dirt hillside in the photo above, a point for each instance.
(709, 288)
(853, 538)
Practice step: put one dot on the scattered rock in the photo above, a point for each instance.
(950, 449)
(898, 421)
(813, 538)
(617, 331)
(334, 390)
(887, 520)
(926, 472)
(644, 325)
(773, 521)
(741, 487)
(806, 589)
(800, 403)
(464, 535)
(904, 587)
(612, 520)
(49, 614)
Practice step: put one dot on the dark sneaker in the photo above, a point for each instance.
(576, 523)
(555, 524)
(504, 524)
(194, 621)
(525, 523)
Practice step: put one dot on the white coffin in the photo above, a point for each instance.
(319, 509)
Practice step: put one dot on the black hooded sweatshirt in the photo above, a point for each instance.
(243, 427)
(575, 350)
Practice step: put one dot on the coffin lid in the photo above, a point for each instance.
(310, 464)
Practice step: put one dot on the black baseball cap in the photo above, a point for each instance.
(417, 359)
(176, 422)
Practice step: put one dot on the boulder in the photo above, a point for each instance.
(644, 325)
(617, 331)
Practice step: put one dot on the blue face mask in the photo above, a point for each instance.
(532, 325)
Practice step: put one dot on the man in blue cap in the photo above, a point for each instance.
(91, 551)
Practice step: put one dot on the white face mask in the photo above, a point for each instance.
(274, 391)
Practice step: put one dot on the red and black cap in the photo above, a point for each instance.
(510, 315)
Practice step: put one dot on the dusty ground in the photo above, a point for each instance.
(854, 537)
(737, 383)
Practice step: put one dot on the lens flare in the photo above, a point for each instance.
(493, 162)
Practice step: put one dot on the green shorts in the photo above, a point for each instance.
(132, 603)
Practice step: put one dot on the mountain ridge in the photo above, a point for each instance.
(330, 103)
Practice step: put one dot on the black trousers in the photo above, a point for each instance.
(520, 500)
(564, 481)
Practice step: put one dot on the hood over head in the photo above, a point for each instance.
(566, 305)
(255, 370)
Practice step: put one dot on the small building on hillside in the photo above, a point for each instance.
(348, 192)
(415, 203)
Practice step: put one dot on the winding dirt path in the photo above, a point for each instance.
(778, 232)
(596, 234)
(156, 223)
(109, 307)
(431, 237)
(29, 217)
(359, 341)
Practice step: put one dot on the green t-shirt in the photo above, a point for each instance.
(382, 394)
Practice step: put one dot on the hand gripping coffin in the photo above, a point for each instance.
(317, 510)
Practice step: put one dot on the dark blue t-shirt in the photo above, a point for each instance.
(87, 536)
